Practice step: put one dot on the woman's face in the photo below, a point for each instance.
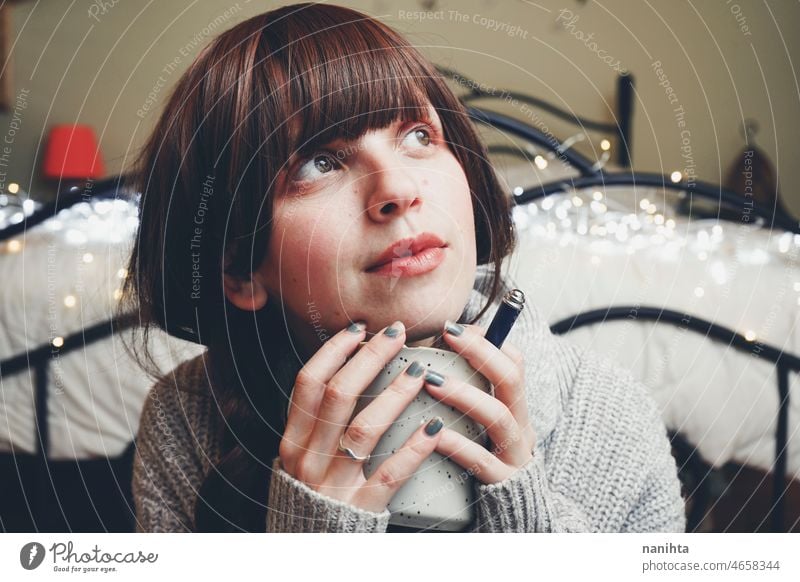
(339, 211)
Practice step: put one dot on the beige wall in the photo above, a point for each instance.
(97, 65)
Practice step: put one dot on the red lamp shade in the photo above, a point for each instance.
(72, 153)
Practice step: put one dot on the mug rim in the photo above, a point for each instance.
(405, 347)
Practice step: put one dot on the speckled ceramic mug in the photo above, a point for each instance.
(440, 495)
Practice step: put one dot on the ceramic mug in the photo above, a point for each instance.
(440, 494)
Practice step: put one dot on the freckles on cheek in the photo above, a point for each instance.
(314, 259)
(321, 256)
(314, 240)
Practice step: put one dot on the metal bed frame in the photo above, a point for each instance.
(590, 175)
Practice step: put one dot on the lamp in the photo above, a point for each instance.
(72, 154)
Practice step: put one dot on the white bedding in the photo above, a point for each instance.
(61, 277)
(574, 258)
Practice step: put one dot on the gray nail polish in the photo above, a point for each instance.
(434, 426)
(434, 378)
(453, 328)
(356, 327)
(415, 369)
(392, 331)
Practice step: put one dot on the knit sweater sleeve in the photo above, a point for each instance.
(296, 507)
(175, 448)
(524, 502)
(634, 489)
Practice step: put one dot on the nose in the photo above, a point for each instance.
(393, 190)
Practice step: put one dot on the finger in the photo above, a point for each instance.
(400, 466)
(474, 458)
(501, 426)
(338, 399)
(513, 352)
(367, 428)
(503, 368)
(307, 392)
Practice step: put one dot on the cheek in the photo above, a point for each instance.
(307, 244)
(451, 172)
(457, 202)
(460, 209)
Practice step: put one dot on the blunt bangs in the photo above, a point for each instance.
(346, 79)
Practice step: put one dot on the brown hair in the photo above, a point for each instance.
(230, 125)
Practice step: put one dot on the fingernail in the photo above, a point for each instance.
(415, 369)
(356, 327)
(434, 426)
(434, 378)
(453, 328)
(394, 329)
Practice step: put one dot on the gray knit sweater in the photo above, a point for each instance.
(602, 461)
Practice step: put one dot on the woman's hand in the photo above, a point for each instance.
(505, 415)
(322, 402)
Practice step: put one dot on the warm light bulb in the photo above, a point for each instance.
(605, 145)
(540, 162)
(13, 187)
(70, 300)
(57, 342)
(676, 176)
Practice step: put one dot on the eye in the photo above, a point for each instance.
(418, 136)
(317, 165)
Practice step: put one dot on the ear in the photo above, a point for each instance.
(246, 294)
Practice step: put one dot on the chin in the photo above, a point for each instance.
(423, 332)
(423, 308)
(429, 321)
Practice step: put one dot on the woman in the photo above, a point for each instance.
(311, 184)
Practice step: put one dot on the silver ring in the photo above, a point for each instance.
(350, 453)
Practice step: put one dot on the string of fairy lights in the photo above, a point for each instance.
(638, 222)
(83, 231)
(616, 221)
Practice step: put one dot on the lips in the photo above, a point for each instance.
(407, 247)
